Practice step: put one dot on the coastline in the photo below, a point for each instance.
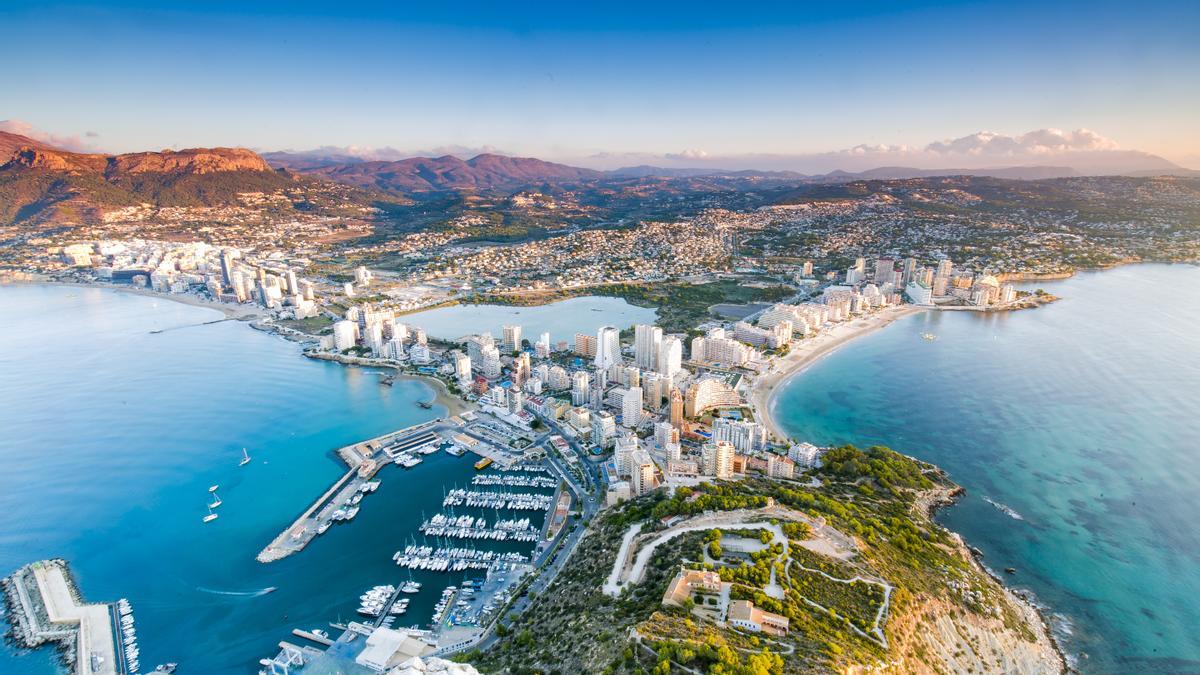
(805, 353)
(762, 394)
(454, 405)
(1035, 615)
(234, 312)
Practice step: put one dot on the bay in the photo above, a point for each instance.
(112, 436)
(1073, 428)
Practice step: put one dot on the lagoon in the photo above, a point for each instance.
(561, 319)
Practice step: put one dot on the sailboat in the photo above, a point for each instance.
(211, 516)
(215, 502)
(245, 458)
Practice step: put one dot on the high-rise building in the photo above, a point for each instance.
(745, 436)
(345, 335)
(717, 459)
(462, 367)
(580, 387)
(511, 339)
(227, 257)
(624, 447)
(475, 346)
(604, 429)
(945, 268)
(542, 347)
(646, 343)
(489, 365)
(909, 273)
(631, 407)
(707, 393)
(670, 357)
(585, 345)
(608, 347)
(676, 409)
(521, 369)
(655, 387)
(884, 269)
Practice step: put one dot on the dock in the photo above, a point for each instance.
(44, 606)
(363, 459)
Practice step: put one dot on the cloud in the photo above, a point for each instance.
(72, 143)
(1037, 142)
(1082, 149)
(690, 153)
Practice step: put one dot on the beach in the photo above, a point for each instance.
(807, 351)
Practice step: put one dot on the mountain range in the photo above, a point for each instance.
(42, 183)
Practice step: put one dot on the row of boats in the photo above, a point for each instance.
(375, 601)
(514, 480)
(128, 636)
(514, 501)
(469, 527)
(350, 507)
(444, 605)
(426, 557)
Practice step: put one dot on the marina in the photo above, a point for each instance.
(524, 501)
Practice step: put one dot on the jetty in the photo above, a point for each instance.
(44, 606)
(339, 503)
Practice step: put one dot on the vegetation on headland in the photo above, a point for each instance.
(832, 604)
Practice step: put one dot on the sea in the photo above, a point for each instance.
(1074, 428)
(113, 433)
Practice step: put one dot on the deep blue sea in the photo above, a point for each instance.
(1082, 417)
(112, 435)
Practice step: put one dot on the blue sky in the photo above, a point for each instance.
(606, 84)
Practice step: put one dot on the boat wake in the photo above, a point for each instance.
(240, 594)
(1006, 510)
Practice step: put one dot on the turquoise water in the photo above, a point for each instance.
(1082, 417)
(561, 319)
(111, 437)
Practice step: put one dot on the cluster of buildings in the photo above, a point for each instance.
(943, 285)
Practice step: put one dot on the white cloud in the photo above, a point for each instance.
(690, 153)
(1037, 142)
(72, 143)
(1084, 150)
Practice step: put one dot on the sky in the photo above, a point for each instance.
(787, 85)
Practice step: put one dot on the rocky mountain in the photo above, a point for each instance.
(427, 174)
(40, 183)
(10, 143)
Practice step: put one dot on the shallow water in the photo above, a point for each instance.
(112, 435)
(1073, 428)
(561, 319)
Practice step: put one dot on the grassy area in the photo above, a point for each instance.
(868, 493)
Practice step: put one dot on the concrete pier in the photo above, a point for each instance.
(44, 606)
(364, 459)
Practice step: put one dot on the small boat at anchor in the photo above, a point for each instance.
(245, 458)
(211, 516)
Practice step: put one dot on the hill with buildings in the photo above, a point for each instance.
(773, 576)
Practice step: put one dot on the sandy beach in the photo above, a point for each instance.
(805, 352)
(245, 312)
